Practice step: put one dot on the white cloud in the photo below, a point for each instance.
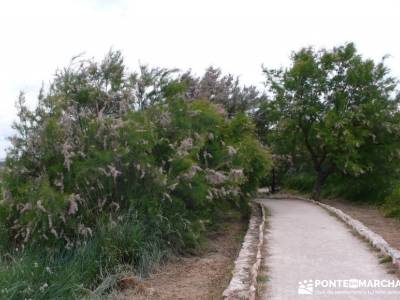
(39, 36)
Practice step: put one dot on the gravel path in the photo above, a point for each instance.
(306, 243)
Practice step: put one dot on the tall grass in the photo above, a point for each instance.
(90, 270)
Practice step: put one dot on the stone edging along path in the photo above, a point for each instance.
(243, 282)
(373, 238)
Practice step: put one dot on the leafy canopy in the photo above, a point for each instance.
(333, 111)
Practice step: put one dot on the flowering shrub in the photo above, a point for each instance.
(87, 157)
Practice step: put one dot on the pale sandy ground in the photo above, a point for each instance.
(305, 242)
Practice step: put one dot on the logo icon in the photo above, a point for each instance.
(306, 287)
(353, 284)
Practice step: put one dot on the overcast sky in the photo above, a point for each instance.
(238, 36)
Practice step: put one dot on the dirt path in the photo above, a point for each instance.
(306, 243)
(372, 217)
(198, 277)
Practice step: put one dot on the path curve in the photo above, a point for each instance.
(305, 242)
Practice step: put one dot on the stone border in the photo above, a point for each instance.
(244, 279)
(373, 238)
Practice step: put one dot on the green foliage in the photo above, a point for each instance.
(391, 205)
(303, 182)
(115, 177)
(36, 274)
(334, 112)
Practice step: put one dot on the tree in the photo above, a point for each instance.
(225, 90)
(337, 108)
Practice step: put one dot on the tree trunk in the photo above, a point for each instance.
(273, 185)
(319, 182)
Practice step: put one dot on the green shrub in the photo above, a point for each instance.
(90, 180)
(303, 182)
(391, 205)
(130, 162)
